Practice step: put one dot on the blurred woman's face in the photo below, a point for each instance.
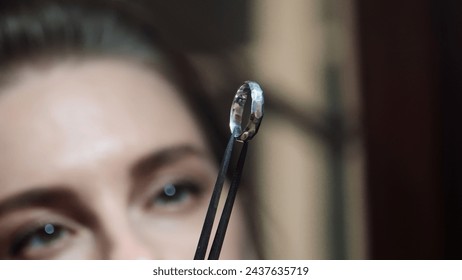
(101, 159)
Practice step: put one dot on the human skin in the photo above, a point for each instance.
(93, 148)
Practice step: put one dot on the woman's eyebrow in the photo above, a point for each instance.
(35, 197)
(57, 195)
(164, 157)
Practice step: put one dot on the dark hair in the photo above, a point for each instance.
(33, 30)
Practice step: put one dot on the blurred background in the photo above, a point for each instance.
(358, 156)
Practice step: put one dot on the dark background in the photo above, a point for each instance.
(411, 89)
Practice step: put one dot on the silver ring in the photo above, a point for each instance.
(252, 89)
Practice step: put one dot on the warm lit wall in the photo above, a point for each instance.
(292, 45)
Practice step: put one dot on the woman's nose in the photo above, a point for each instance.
(122, 241)
(128, 247)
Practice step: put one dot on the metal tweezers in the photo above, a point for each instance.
(252, 89)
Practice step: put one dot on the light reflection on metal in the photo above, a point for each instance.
(252, 89)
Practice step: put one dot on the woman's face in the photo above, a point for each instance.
(101, 159)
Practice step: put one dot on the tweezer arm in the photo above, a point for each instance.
(213, 205)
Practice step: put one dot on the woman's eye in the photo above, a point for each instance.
(176, 195)
(38, 238)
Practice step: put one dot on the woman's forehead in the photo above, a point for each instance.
(80, 113)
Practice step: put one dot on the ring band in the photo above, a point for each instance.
(252, 89)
